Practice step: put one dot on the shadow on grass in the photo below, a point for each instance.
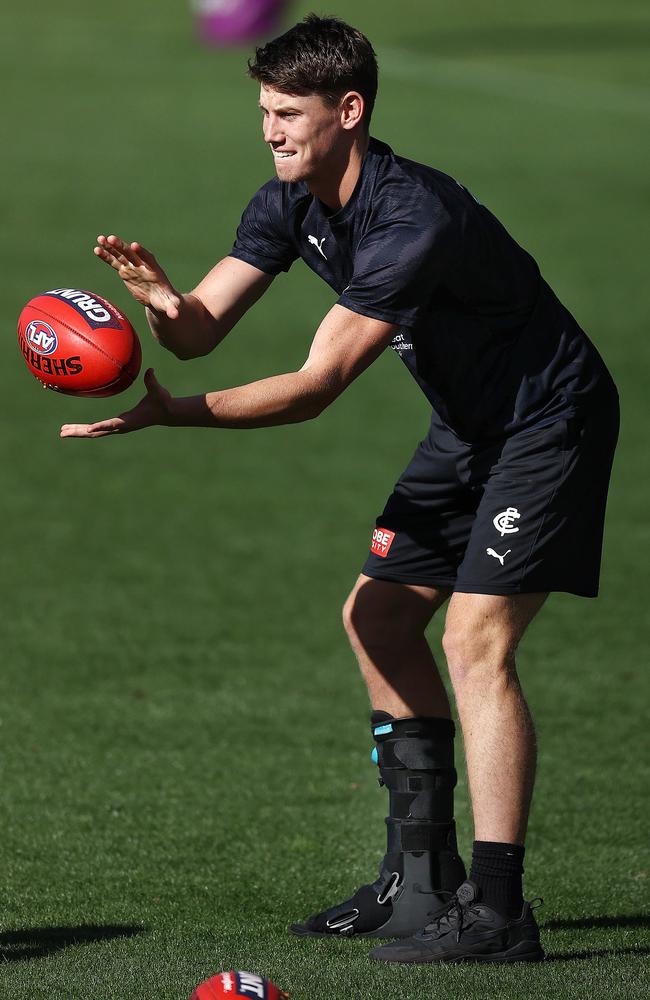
(590, 923)
(574, 956)
(38, 942)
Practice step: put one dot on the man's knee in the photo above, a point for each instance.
(482, 634)
(477, 652)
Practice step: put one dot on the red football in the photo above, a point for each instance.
(78, 343)
(237, 986)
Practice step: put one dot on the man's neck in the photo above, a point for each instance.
(335, 188)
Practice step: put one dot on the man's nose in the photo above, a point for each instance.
(272, 130)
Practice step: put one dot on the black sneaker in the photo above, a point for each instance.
(465, 930)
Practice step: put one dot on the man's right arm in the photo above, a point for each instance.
(209, 312)
(189, 325)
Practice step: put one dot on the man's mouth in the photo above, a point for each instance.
(280, 154)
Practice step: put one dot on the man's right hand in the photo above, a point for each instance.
(141, 273)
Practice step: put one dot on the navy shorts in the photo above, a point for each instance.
(521, 515)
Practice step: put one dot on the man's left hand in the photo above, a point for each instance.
(153, 409)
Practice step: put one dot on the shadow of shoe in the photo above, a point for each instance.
(574, 956)
(591, 923)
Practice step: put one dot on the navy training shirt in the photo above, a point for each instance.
(484, 336)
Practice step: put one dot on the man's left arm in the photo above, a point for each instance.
(344, 345)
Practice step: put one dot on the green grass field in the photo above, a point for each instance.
(184, 744)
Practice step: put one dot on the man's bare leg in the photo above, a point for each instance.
(481, 636)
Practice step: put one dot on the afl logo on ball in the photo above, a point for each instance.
(41, 337)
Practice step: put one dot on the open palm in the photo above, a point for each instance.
(152, 410)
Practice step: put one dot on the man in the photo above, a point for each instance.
(502, 502)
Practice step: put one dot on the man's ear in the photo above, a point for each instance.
(351, 107)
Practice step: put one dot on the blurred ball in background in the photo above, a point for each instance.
(234, 22)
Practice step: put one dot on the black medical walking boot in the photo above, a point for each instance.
(416, 763)
(465, 930)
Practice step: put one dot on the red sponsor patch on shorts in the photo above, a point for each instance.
(382, 539)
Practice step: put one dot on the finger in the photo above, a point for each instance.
(128, 256)
(113, 249)
(115, 425)
(115, 241)
(104, 246)
(151, 382)
(108, 257)
(124, 249)
(144, 254)
(171, 307)
(155, 390)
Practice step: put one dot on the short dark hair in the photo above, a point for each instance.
(319, 55)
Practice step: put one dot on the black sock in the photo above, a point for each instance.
(497, 870)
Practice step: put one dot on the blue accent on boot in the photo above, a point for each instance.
(374, 756)
(382, 730)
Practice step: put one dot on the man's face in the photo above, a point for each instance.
(303, 133)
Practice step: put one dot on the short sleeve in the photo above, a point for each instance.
(399, 263)
(262, 235)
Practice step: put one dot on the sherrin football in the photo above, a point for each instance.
(237, 986)
(78, 343)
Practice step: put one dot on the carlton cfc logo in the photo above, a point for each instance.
(503, 522)
(41, 337)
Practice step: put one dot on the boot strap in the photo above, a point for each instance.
(409, 836)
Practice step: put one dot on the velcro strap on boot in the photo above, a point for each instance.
(417, 754)
(401, 780)
(411, 836)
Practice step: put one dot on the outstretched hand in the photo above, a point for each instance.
(141, 273)
(153, 409)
